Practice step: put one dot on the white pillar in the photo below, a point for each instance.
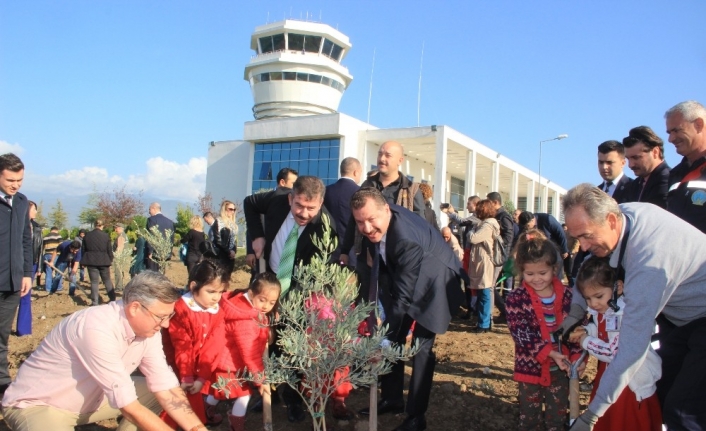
(495, 176)
(440, 169)
(530, 196)
(470, 173)
(556, 210)
(545, 198)
(513, 188)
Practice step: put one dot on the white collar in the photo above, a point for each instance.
(190, 302)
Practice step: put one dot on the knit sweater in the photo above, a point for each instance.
(533, 342)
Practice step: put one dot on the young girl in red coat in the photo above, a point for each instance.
(246, 334)
(534, 311)
(193, 342)
(637, 407)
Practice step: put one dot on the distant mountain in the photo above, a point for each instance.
(74, 204)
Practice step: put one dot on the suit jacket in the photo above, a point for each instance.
(656, 188)
(275, 207)
(162, 223)
(622, 189)
(424, 274)
(17, 251)
(96, 249)
(338, 202)
(553, 230)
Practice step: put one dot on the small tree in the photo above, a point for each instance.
(184, 214)
(118, 206)
(204, 203)
(313, 347)
(58, 217)
(40, 215)
(161, 245)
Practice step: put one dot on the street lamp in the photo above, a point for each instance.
(539, 174)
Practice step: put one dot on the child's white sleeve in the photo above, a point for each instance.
(603, 350)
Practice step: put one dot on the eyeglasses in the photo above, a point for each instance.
(159, 319)
(230, 209)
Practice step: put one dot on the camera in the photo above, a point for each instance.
(444, 206)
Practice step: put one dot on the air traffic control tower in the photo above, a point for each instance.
(297, 80)
(296, 69)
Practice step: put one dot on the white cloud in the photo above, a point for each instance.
(162, 178)
(6, 147)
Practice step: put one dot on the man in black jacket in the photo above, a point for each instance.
(15, 252)
(611, 160)
(163, 223)
(424, 286)
(507, 232)
(97, 256)
(645, 153)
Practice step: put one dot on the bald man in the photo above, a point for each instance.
(158, 219)
(452, 242)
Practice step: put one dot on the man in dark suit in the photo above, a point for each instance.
(424, 286)
(338, 198)
(285, 240)
(611, 160)
(97, 256)
(645, 153)
(15, 252)
(158, 219)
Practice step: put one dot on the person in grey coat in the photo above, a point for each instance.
(663, 260)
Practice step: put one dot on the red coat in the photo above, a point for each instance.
(193, 342)
(246, 334)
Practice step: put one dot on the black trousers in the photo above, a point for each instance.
(682, 388)
(9, 301)
(423, 363)
(94, 272)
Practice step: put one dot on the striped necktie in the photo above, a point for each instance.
(286, 261)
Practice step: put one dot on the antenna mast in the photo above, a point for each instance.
(419, 93)
(370, 95)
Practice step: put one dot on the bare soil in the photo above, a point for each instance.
(473, 387)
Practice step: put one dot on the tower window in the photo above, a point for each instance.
(272, 43)
(331, 50)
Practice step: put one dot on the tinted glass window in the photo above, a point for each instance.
(328, 46)
(275, 76)
(312, 43)
(266, 44)
(336, 52)
(325, 80)
(264, 77)
(296, 42)
(302, 76)
(266, 171)
(278, 42)
(290, 76)
(314, 78)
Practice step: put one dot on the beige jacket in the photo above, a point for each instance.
(481, 270)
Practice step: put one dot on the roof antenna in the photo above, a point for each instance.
(419, 93)
(268, 17)
(370, 95)
(319, 15)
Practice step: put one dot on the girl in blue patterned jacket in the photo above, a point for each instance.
(534, 311)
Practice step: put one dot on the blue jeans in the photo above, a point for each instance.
(484, 308)
(57, 281)
(47, 272)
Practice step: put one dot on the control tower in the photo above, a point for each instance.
(296, 69)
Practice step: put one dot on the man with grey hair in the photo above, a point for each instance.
(687, 181)
(663, 260)
(82, 372)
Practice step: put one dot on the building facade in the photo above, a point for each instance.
(297, 81)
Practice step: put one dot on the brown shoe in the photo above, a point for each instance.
(340, 411)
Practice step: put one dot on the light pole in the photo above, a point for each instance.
(539, 174)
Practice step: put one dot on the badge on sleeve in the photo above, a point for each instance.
(698, 197)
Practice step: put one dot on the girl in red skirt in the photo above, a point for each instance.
(637, 407)
(246, 334)
(193, 342)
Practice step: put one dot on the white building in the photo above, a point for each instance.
(297, 81)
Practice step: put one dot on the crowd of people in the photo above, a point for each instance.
(623, 279)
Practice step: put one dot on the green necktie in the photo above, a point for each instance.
(286, 261)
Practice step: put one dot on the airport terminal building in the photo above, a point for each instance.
(297, 81)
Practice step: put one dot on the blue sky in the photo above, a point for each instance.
(99, 94)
